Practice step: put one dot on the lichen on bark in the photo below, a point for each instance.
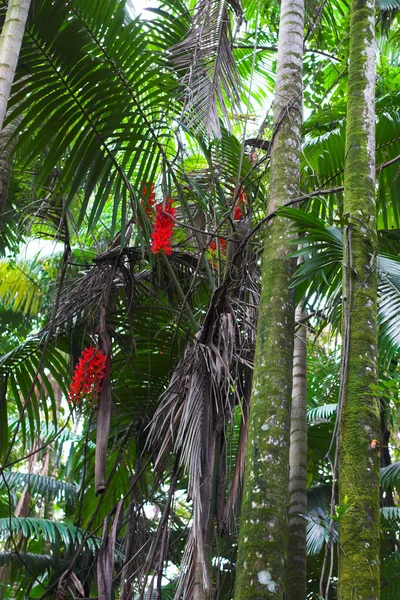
(263, 525)
(359, 460)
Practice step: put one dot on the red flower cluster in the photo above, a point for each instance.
(149, 202)
(222, 243)
(161, 238)
(88, 376)
(240, 204)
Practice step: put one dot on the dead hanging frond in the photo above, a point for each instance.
(196, 408)
(83, 299)
(106, 555)
(210, 77)
(193, 410)
(131, 281)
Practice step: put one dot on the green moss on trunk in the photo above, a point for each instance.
(359, 461)
(260, 571)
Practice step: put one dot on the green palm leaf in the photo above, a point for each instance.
(51, 531)
(46, 486)
(92, 94)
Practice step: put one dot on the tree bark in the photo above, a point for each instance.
(297, 554)
(359, 433)
(6, 158)
(104, 408)
(261, 560)
(10, 46)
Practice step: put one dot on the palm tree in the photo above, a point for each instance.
(359, 408)
(263, 522)
(10, 44)
(297, 556)
(102, 120)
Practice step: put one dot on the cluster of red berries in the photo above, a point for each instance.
(161, 238)
(88, 376)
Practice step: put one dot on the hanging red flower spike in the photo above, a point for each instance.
(149, 202)
(212, 246)
(161, 238)
(88, 376)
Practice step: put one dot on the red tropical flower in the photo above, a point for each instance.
(161, 238)
(149, 202)
(237, 215)
(222, 245)
(88, 376)
(240, 204)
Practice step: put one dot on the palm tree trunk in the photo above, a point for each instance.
(10, 45)
(7, 148)
(359, 434)
(297, 555)
(260, 569)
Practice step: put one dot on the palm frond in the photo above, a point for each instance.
(51, 531)
(390, 576)
(321, 414)
(41, 484)
(199, 402)
(91, 106)
(319, 276)
(20, 287)
(318, 528)
(390, 475)
(18, 368)
(388, 4)
(210, 75)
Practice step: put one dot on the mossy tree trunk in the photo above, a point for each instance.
(260, 571)
(297, 554)
(359, 433)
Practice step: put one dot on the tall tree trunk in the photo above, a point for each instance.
(261, 561)
(359, 435)
(6, 158)
(10, 45)
(104, 407)
(297, 555)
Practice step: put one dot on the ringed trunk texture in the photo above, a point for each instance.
(261, 560)
(104, 409)
(10, 45)
(359, 433)
(297, 553)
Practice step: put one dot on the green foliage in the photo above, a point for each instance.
(101, 100)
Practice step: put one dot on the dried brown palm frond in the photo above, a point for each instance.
(130, 278)
(197, 406)
(84, 297)
(210, 77)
